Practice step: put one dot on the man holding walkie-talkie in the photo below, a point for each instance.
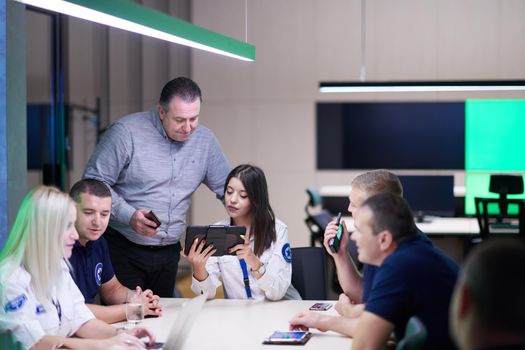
(355, 286)
(335, 242)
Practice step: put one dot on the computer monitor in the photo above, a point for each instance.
(390, 135)
(429, 195)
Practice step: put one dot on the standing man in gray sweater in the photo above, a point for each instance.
(153, 162)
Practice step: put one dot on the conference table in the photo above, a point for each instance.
(242, 324)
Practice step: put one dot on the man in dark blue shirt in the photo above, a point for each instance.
(92, 268)
(413, 279)
(355, 286)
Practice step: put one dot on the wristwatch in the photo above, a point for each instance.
(259, 272)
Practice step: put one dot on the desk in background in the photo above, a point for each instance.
(242, 324)
(449, 234)
(437, 226)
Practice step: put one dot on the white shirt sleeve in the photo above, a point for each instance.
(277, 258)
(210, 284)
(18, 311)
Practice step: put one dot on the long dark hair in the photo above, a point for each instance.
(263, 218)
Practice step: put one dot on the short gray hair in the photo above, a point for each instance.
(378, 181)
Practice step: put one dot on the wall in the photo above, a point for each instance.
(125, 70)
(264, 112)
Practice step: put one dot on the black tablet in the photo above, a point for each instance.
(222, 237)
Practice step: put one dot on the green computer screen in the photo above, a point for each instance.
(495, 135)
(494, 143)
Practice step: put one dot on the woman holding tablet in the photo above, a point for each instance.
(42, 308)
(261, 267)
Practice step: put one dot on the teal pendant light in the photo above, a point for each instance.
(136, 18)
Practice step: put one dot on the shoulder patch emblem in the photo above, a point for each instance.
(287, 253)
(15, 304)
(40, 309)
(98, 273)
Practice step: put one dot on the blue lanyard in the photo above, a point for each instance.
(245, 278)
(59, 311)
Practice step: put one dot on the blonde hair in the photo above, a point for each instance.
(36, 240)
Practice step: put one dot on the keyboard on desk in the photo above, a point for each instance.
(504, 227)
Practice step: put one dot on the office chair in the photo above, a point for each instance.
(504, 185)
(415, 335)
(499, 220)
(317, 224)
(502, 221)
(309, 272)
(493, 215)
(316, 220)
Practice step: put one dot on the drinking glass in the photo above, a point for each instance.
(135, 308)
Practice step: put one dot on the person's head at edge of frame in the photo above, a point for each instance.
(247, 203)
(487, 308)
(370, 183)
(42, 236)
(381, 224)
(93, 203)
(179, 108)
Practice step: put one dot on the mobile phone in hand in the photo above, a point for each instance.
(320, 306)
(151, 216)
(335, 242)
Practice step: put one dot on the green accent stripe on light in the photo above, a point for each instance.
(158, 21)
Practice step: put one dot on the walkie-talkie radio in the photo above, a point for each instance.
(335, 242)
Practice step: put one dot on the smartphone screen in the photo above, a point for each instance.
(288, 337)
(292, 335)
(320, 306)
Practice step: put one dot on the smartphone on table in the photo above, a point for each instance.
(288, 338)
(320, 306)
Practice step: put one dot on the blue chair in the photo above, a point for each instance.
(415, 335)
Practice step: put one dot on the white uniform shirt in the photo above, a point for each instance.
(24, 316)
(272, 285)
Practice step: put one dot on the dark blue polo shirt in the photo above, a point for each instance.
(369, 271)
(91, 267)
(416, 279)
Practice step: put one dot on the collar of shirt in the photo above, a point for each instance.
(157, 122)
(86, 249)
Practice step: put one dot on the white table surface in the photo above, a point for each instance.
(243, 324)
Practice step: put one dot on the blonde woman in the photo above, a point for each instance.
(42, 308)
